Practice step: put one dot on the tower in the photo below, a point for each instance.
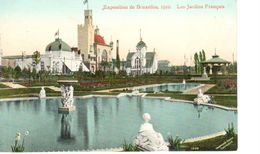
(86, 34)
(117, 55)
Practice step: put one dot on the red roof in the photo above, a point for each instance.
(99, 39)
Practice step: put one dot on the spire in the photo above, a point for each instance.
(57, 34)
(140, 34)
(215, 52)
(117, 55)
(97, 30)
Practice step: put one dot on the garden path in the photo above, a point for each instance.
(53, 88)
(13, 85)
(204, 88)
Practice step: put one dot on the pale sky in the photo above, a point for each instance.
(29, 25)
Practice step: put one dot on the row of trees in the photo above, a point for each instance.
(26, 73)
(198, 58)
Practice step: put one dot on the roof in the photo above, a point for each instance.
(163, 62)
(140, 44)
(128, 58)
(215, 59)
(58, 45)
(17, 57)
(99, 40)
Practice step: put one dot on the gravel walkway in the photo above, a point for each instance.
(203, 88)
(12, 85)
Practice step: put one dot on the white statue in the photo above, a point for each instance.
(201, 98)
(184, 81)
(67, 95)
(135, 92)
(71, 90)
(148, 139)
(62, 89)
(204, 75)
(42, 93)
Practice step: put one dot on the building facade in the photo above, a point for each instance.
(164, 67)
(216, 65)
(59, 58)
(97, 54)
(140, 61)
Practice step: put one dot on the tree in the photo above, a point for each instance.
(203, 55)
(118, 61)
(105, 65)
(34, 73)
(198, 58)
(196, 62)
(36, 58)
(17, 72)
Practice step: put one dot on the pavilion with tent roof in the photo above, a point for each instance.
(215, 65)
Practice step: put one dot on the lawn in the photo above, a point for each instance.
(221, 90)
(210, 144)
(34, 92)
(229, 101)
(3, 86)
(23, 92)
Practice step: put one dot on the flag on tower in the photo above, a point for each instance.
(57, 34)
(85, 1)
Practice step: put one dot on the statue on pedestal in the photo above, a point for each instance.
(67, 91)
(148, 139)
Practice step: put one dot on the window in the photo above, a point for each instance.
(137, 63)
(104, 56)
(42, 65)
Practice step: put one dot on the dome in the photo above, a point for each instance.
(99, 39)
(58, 45)
(140, 44)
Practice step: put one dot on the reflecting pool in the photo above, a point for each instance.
(103, 122)
(170, 87)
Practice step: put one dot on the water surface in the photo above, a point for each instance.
(171, 87)
(103, 122)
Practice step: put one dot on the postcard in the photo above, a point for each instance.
(118, 75)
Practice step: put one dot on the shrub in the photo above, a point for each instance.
(17, 146)
(175, 144)
(230, 131)
(130, 147)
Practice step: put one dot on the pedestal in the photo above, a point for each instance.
(66, 109)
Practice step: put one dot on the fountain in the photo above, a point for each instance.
(67, 95)
(201, 98)
(148, 139)
(184, 81)
(42, 93)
